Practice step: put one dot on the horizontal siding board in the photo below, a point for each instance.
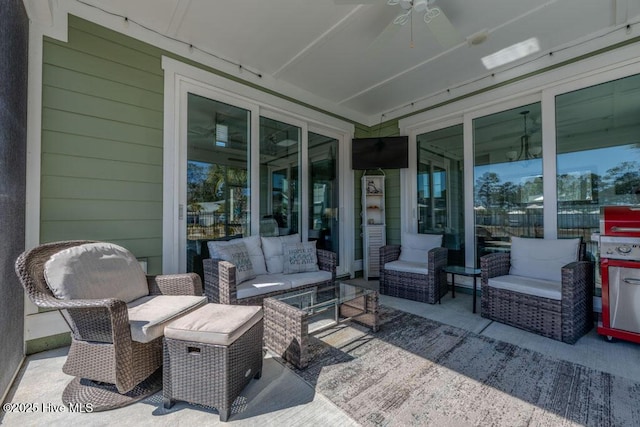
(89, 105)
(74, 81)
(87, 42)
(114, 37)
(105, 230)
(61, 121)
(64, 57)
(97, 210)
(81, 146)
(82, 167)
(100, 189)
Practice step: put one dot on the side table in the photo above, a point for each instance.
(463, 271)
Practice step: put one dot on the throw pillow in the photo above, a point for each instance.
(416, 247)
(542, 258)
(300, 257)
(273, 251)
(238, 255)
(254, 247)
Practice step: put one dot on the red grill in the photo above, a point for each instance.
(620, 272)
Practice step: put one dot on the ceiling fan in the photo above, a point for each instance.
(418, 6)
(433, 16)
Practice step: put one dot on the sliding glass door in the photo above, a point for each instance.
(279, 177)
(324, 197)
(217, 173)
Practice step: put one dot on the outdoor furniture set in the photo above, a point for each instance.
(131, 332)
(118, 319)
(543, 286)
(134, 334)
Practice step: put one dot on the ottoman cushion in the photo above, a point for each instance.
(217, 324)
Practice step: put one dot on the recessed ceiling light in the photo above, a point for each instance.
(511, 53)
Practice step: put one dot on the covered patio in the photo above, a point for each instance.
(163, 126)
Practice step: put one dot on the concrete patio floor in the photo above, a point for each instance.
(280, 398)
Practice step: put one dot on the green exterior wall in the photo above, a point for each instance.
(102, 139)
(102, 142)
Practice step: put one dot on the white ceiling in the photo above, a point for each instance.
(329, 54)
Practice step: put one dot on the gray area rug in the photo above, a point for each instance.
(416, 371)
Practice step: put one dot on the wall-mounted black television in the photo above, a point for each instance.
(389, 152)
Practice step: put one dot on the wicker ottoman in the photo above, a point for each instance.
(211, 354)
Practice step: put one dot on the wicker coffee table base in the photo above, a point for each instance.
(286, 328)
(89, 396)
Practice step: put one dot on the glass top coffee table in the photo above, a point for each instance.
(287, 317)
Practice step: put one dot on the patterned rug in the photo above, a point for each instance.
(416, 371)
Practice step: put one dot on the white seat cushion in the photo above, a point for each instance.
(542, 258)
(407, 267)
(216, 324)
(95, 271)
(149, 315)
(528, 285)
(302, 279)
(416, 247)
(263, 284)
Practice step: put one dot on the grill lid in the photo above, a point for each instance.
(623, 221)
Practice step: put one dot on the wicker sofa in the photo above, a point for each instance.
(277, 265)
(543, 286)
(414, 270)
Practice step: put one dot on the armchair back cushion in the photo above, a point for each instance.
(542, 258)
(416, 247)
(95, 271)
(274, 251)
(254, 248)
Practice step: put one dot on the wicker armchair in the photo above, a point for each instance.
(535, 305)
(411, 283)
(111, 368)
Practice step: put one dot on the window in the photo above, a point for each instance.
(598, 154)
(440, 178)
(508, 192)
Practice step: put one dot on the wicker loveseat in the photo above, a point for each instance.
(415, 269)
(276, 265)
(543, 286)
(116, 315)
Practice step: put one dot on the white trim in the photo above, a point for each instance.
(180, 79)
(549, 186)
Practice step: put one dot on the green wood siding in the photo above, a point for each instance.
(102, 141)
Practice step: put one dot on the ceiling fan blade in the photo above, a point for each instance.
(442, 29)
